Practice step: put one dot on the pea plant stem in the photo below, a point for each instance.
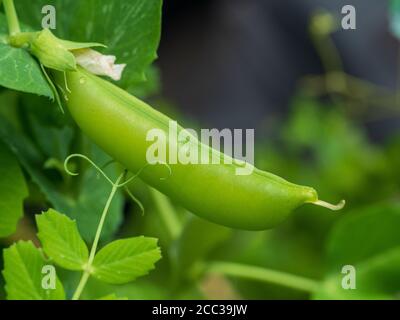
(12, 18)
(81, 285)
(88, 266)
(263, 275)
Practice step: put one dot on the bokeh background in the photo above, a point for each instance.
(265, 65)
(233, 63)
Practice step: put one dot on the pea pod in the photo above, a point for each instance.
(118, 122)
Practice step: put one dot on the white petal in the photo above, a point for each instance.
(99, 64)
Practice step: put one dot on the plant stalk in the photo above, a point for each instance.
(88, 267)
(12, 18)
(263, 275)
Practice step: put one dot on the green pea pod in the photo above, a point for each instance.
(119, 123)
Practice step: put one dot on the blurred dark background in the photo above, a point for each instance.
(233, 63)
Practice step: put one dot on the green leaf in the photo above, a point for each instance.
(368, 240)
(83, 202)
(13, 190)
(20, 71)
(23, 264)
(124, 260)
(129, 28)
(71, 45)
(150, 87)
(61, 240)
(54, 142)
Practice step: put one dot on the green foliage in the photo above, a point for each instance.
(111, 23)
(13, 191)
(42, 139)
(198, 238)
(19, 70)
(111, 296)
(87, 205)
(42, 149)
(318, 144)
(84, 206)
(394, 14)
(141, 289)
(324, 136)
(61, 240)
(119, 262)
(124, 260)
(368, 240)
(23, 264)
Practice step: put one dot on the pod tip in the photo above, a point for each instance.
(334, 207)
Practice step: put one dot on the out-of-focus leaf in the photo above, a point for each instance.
(394, 14)
(124, 260)
(130, 28)
(23, 264)
(287, 249)
(54, 142)
(141, 289)
(111, 296)
(148, 88)
(369, 241)
(84, 202)
(61, 240)
(324, 141)
(198, 238)
(323, 148)
(13, 191)
(9, 107)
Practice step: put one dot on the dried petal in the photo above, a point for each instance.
(99, 64)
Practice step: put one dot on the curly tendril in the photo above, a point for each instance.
(78, 155)
(134, 199)
(124, 184)
(169, 170)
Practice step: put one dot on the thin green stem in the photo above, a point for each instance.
(88, 267)
(263, 275)
(12, 18)
(367, 95)
(328, 53)
(103, 218)
(81, 285)
(331, 61)
(167, 213)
